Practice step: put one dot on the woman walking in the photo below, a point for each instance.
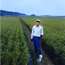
(36, 37)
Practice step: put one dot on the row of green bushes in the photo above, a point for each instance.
(54, 36)
(55, 39)
(14, 50)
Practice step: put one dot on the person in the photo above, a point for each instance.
(36, 37)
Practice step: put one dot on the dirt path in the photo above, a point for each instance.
(46, 60)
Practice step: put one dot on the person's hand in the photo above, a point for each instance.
(41, 36)
(31, 39)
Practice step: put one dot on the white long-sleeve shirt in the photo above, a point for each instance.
(37, 31)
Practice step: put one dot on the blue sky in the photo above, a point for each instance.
(38, 7)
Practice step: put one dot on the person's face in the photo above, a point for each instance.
(37, 23)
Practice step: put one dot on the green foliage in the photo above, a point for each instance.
(54, 32)
(14, 50)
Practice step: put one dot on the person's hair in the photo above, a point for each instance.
(38, 21)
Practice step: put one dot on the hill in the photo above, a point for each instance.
(9, 13)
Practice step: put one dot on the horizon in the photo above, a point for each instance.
(37, 7)
(27, 14)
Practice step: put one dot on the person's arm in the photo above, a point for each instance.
(42, 32)
(32, 33)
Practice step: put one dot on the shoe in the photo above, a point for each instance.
(40, 58)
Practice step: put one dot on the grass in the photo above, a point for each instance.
(14, 50)
(54, 33)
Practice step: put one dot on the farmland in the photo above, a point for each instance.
(14, 50)
(14, 43)
(54, 36)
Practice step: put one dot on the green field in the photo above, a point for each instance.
(54, 33)
(14, 49)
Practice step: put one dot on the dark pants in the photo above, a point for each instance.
(37, 45)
